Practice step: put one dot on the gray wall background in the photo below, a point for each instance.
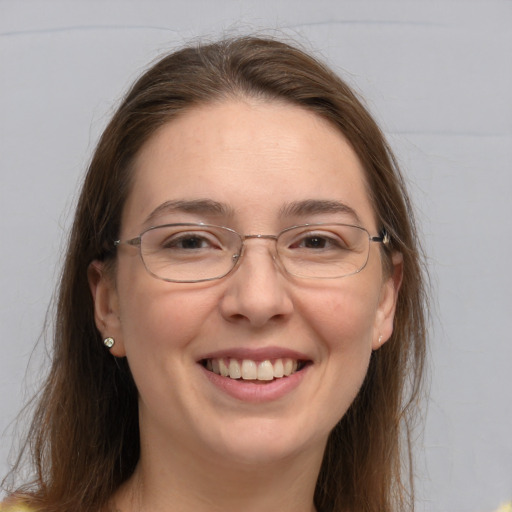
(438, 76)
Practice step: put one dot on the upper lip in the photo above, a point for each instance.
(257, 354)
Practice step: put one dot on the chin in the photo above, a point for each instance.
(264, 442)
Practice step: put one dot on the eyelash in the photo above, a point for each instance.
(175, 240)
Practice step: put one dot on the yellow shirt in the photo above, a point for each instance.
(14, 508)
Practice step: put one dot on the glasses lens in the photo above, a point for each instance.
(324, 251)
(189, 252)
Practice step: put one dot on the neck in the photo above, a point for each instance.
(184, 482)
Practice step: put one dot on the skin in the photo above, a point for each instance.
(201, 448)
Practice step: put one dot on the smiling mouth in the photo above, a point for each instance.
(247, 369)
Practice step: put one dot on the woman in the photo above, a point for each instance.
(241, 318)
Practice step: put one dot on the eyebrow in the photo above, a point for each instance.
(317, 207)
(197, 206)
(304, 208)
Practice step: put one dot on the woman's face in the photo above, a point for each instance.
(256, 167)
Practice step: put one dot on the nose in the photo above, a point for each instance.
(257, 292)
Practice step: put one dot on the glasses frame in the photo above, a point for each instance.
(137, 242)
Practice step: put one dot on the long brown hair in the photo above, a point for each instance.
(84, 438)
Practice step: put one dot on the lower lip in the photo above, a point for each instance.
(256, 391)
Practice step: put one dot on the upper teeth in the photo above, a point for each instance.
(248, 369)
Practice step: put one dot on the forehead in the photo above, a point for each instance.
(256, 157)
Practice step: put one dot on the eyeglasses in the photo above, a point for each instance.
(191, 253)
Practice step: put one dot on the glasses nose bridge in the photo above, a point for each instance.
(260, 237)
(245, 238)
(263, 237)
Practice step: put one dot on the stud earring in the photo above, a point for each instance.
(108, 342)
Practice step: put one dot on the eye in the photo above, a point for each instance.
(318, 241)
(189, 241)
(185, 242)
(313, 242)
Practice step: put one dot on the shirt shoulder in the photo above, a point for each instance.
(13, 507)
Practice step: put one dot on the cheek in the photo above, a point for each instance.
(160, 320)
(159, 326)
(346, 327)
(341, 320)
(157, 318)
(342, 316)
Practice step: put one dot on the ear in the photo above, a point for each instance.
(106, 305)
(387, 303)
